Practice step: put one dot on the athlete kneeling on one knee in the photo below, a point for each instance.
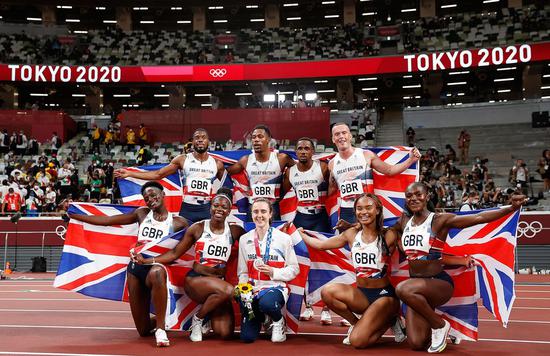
(374, 296)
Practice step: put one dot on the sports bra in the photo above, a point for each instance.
(419, 242)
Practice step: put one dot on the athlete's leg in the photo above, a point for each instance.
(223, 320)
(211, 292)
(344, 300)
(156, 282)
(374, 322)
(139, 305)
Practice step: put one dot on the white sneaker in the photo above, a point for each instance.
(439, 338)
(279, 332)
(326, 319)
(346, 340)
(161, 338)
(399, 333)
(196, 329)
(307, 315)
(455, 340)
(344, 322)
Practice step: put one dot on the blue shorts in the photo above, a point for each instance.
(348, 214)
(192, 273)
(315, 222)
(194, 213)
(374, 294)
(444, 276)
(140, 271)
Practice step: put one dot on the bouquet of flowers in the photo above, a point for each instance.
(243, 292)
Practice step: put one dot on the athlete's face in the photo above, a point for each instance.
(341, 137)
(220, 208)
(304, 151)
(366, 211)
(416, 198)
(200, 141)
(153, 197)
(261, 214)
(260, 140)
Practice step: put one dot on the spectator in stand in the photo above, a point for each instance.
(544, 169)
(50, 199)
(21, 144)
(108, 169)
(96, 139)
(109, 140)
(130, 139)
(143, 135)
(472, 203)
(56, 142)
(411, 136)
(64, 179)
(301, 103)
(96, 184)
(33, 147)
(13, 142)
(464, 146)
(12, 202)
(451, 153)
(4, 141)
(229, 58)
(519, 175)
(369, 129)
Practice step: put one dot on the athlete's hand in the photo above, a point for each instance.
(469, 261)
(517, 200)
(121, 173)
(266, 269)
(286, 226)
(415, 154)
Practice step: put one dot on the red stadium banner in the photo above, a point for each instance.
(433, 61)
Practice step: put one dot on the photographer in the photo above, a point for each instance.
(519, 175)
(472, 203)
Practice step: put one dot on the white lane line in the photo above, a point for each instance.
(53, 354)
(64, 327)
(520, 321)
(532, 298)
(32, 291)
(532, 291)
(64, 311)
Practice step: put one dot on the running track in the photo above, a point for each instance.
(37, 319)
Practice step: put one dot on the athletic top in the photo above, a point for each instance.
(265, 177)
(282, 258)
(212, 249)
(198, 177)
(308, 186)
(370, 259)
(353, 177)
(419, 243)
(151, 229)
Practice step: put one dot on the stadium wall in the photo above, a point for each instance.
(38, 124)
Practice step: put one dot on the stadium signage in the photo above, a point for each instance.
(466, 58)
(377, 65)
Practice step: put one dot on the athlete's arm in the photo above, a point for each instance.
(191, 235)
(391, 169)
(171, 168)
(179, 223)
(337, 241)
(325, 170)
(121, 219)
(285, 161)
(467, 261)
(391, 239)
(332, 186)
(238, 166)
(448, 221)
(221, 170)
(236, 232)
(286, 182)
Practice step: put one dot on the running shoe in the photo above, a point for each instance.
(279, 332)
(455, 340)
(344, 322)
(399, 332)
(439, 338)
(161, 338)
(326, 319)
(346, 340)
(196, 329)
(307, 315)
(206, 326)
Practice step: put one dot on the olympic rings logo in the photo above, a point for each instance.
(218, 72)
(529, 230)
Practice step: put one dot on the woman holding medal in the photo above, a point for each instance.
(374, 296)
(267, 261)
(205, 283)
(146, 282)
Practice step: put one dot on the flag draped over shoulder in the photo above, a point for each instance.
(95, 258)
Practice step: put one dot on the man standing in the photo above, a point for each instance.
(199, 171)
(309, 179)
(264, 169)
(351, 169)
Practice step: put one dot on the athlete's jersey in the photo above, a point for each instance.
(264, 177)
(308, 186)
(198, 177)
(418, 241)
(282, 258)
(151, 229)
(353, 177)
(370, 260)
(212, 249)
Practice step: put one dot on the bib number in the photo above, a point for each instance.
(199, 185)
(413, 242)
(365, 259)
(215, 251)
(263, 191)
(351, 188)
(307, 194)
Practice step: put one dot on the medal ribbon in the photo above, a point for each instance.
(265, 257)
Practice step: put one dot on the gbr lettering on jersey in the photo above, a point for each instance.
(369, 259)
(308, 186)
(213, 249)
(198, 177)
(265, 177)
(151, 229)
(353, 177)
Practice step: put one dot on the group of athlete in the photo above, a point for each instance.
(266, 258)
